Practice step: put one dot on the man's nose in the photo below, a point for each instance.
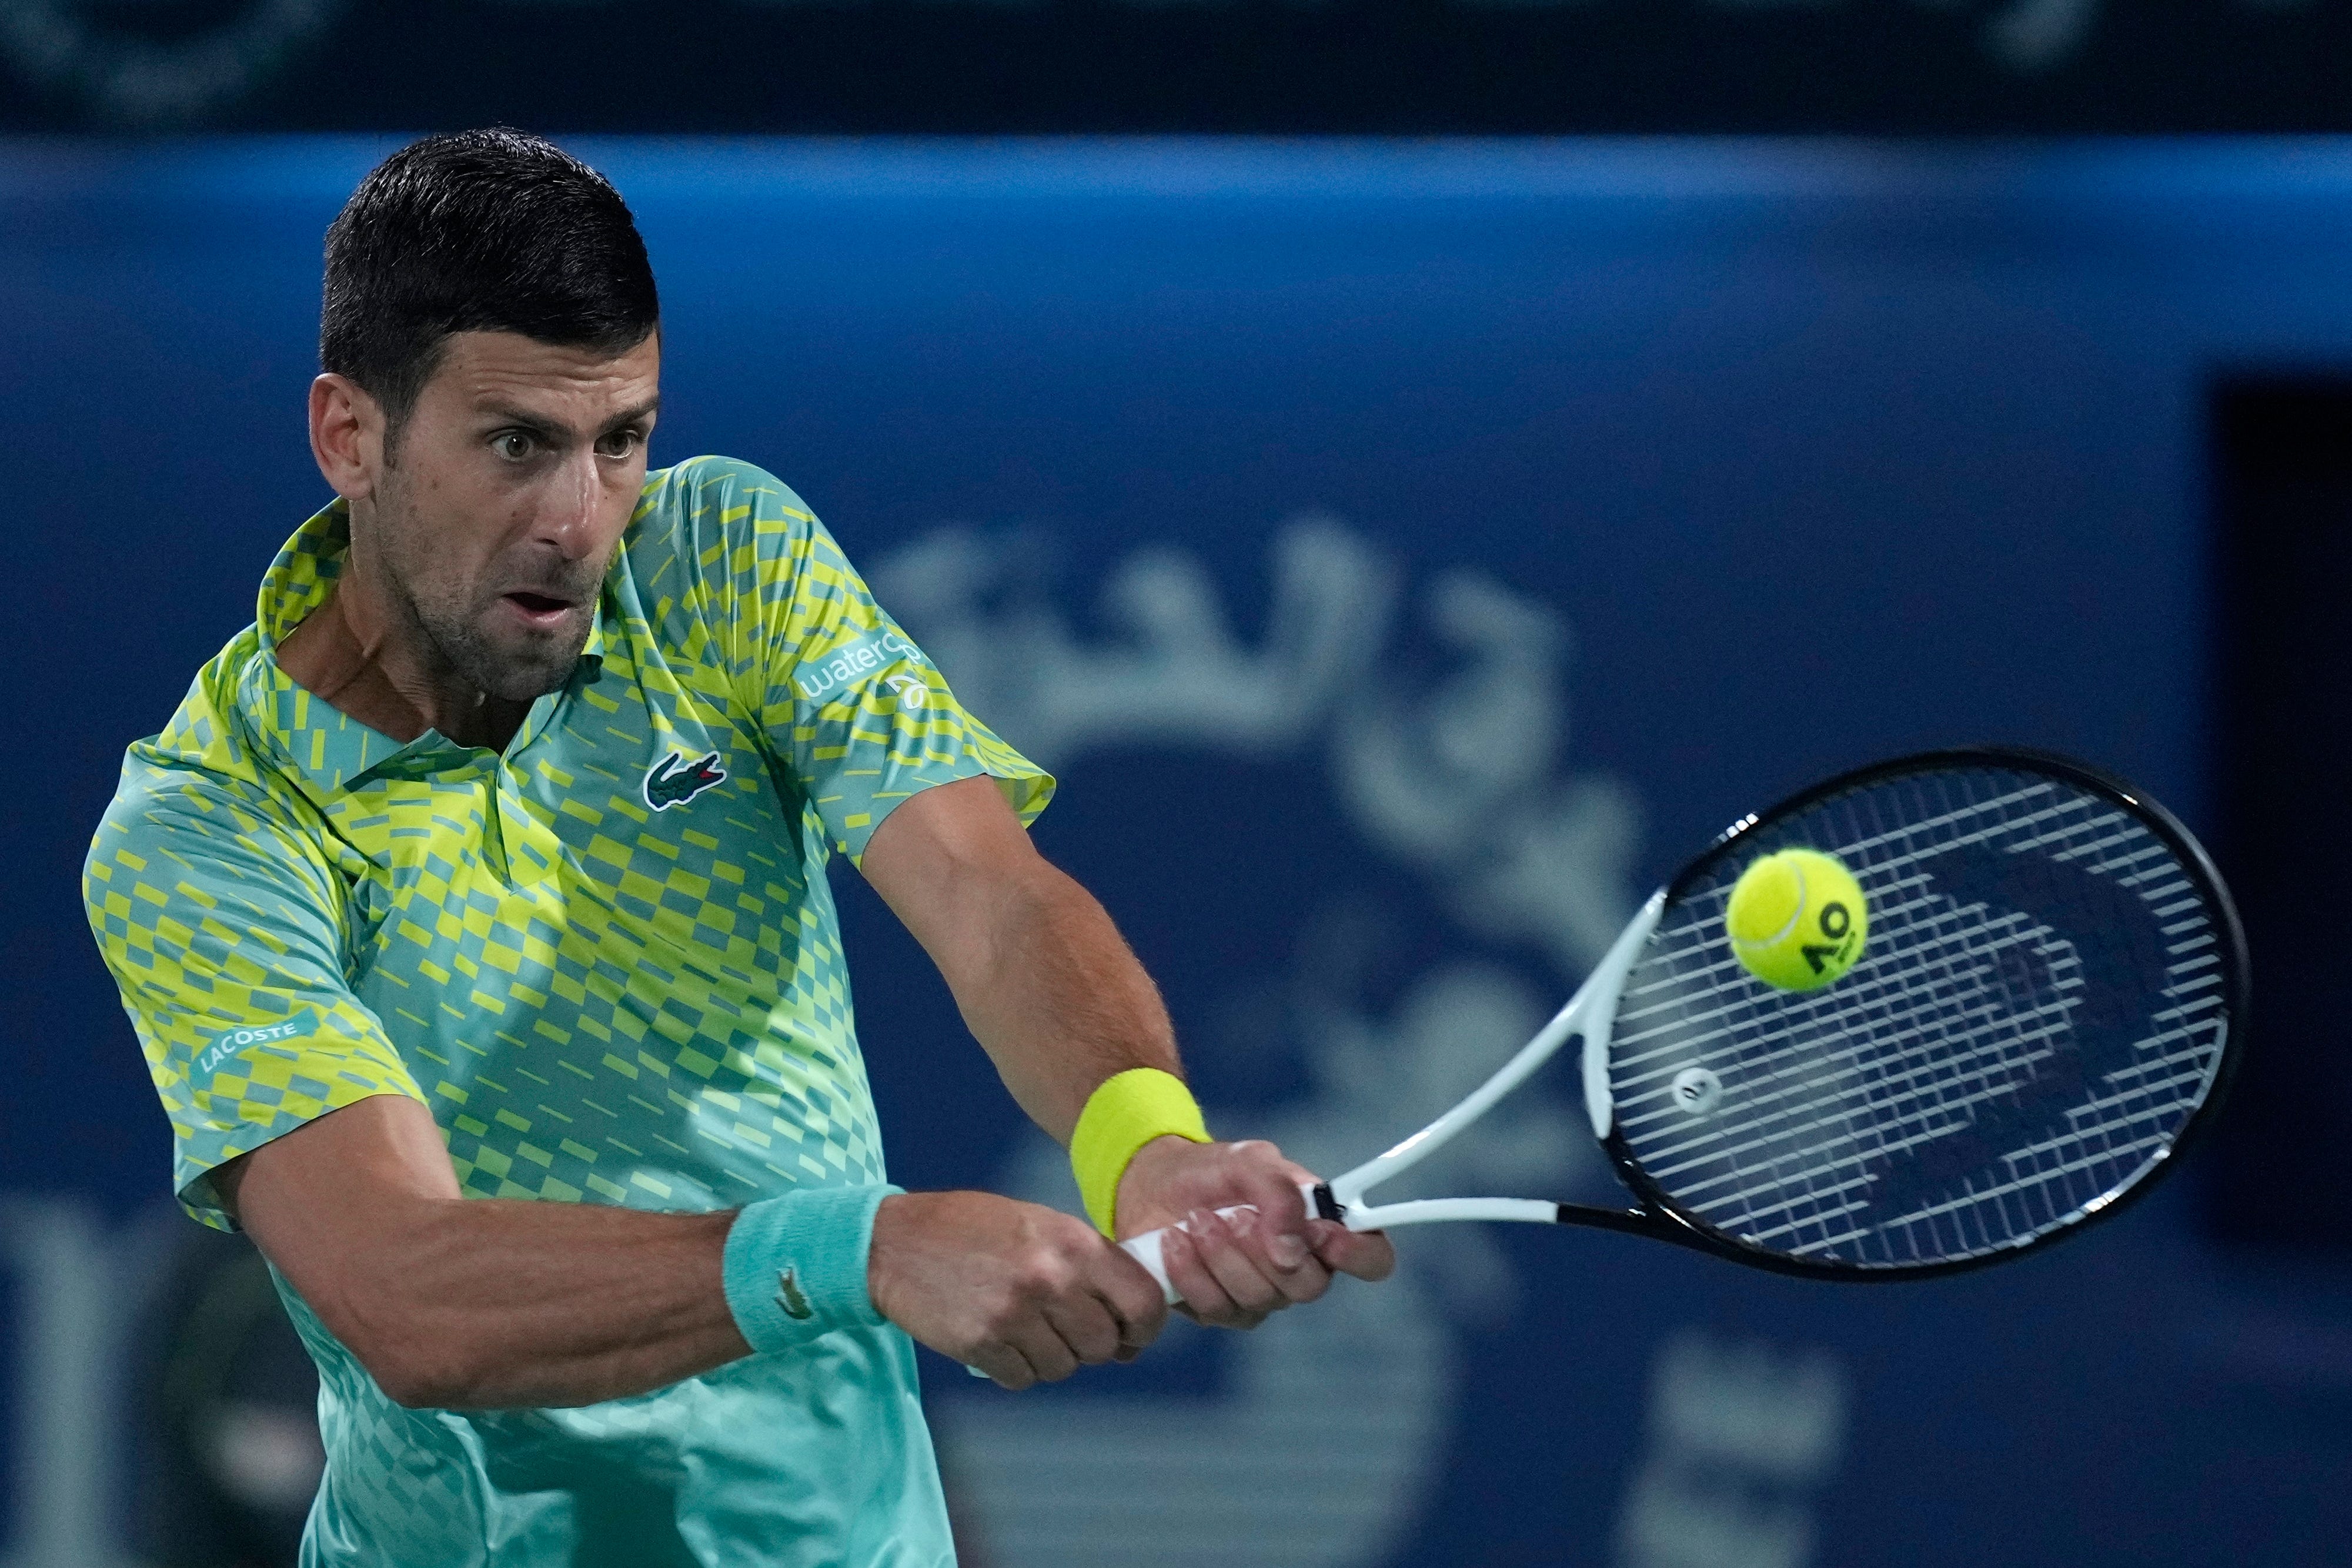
(570, 515)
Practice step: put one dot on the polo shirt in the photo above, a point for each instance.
(607, 960)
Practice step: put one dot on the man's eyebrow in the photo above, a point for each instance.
(637, 415)
(539, 424)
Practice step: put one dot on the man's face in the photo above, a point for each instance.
(499, 504)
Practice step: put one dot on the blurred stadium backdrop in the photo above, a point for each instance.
(1406, 552)
(1446, 67)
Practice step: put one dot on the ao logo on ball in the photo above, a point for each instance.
(1797, 920)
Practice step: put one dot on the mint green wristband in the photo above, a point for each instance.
(794, 1266)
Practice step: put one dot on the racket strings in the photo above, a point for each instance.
(2040, 1007)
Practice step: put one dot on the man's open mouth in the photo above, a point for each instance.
(541, 608)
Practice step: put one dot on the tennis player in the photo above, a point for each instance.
(471, 912)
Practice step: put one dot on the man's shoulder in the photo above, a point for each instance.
(714, 502)
(199, 774)
(713, 538)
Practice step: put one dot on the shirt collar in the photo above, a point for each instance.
(330, 749)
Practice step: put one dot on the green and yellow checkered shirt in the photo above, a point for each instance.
(606, 958)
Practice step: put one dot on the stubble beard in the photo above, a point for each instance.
(451, 619)
(527, 666)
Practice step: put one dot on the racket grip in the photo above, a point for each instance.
(1145, 1249)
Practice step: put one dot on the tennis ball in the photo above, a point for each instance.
(1797, 920)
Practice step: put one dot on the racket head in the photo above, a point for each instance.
(2050, 1007)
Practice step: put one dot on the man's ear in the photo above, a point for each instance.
(347, 429)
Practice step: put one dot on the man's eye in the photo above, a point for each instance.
(619, 444)
(514, 445)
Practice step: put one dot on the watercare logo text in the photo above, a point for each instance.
(821, 679)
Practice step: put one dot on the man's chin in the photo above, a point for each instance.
(529, 689)
(526, 673)
(529, 684)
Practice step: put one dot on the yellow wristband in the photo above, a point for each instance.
(1127, 1111)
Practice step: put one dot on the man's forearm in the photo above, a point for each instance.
(476, 1303)
(1055, 996)
(1044, 980)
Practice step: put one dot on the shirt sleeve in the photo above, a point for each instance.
(223, 927)
(848, 704)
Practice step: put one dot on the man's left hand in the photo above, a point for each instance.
(1233, 1272)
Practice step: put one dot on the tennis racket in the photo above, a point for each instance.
(2051, 1002)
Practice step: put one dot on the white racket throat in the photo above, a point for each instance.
(1589, 1014)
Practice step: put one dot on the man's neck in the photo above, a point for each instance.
(345, 653)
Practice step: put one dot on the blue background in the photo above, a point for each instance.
(1823, 452)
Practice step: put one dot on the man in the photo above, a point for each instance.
(471, 913)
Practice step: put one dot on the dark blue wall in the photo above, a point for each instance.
(994, 67)
(1818, 452)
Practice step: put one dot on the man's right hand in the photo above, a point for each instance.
(1023, 1293)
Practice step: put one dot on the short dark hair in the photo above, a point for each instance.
(478, 231)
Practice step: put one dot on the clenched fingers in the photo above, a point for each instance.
(1003, 1365)
(1023, 1293)
(1233, 1272)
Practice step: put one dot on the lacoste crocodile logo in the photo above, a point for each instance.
(789, 1297)
(673, 782)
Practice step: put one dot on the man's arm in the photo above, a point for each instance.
(482, 1304)
(1053, 994)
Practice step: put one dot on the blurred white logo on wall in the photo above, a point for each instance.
(1741, 1437)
